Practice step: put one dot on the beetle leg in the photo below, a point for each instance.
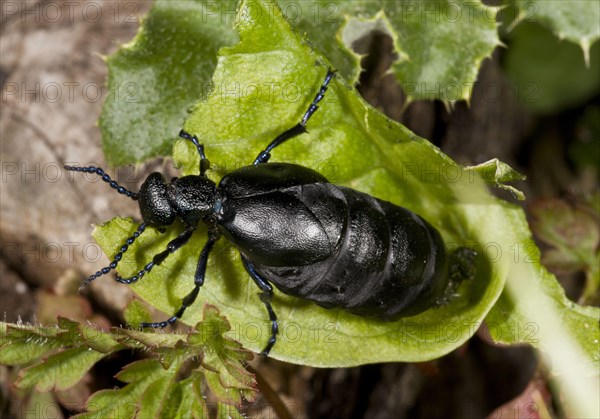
(173, 245)
(300, 127)
(117, 258)
(265, 296)
(105, 177)
(204, 163)
(189, 299)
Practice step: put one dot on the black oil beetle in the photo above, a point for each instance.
(325, 243)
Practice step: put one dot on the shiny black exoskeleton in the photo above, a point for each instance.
(325, 243)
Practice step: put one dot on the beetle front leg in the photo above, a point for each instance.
(189, 299)
(204, 163)
(173, 245)
(113, 264)
(265, 296)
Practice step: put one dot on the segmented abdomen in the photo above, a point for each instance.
(387, 261)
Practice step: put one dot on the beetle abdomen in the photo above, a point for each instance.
(388, 261)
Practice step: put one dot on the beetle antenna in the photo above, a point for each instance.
(105, 177)
(300, 127)
(204, 163)
(117, 258)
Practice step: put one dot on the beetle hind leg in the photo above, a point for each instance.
(265, 296)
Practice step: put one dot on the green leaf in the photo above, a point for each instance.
(136, 313)
(573, 231)
(154, 386)
(549, 74)
(127, 401)
(443, 49)
(148, 340)
(575, 20)
(156, 77)
(497, 173)
(440, 44)
(224, 360)
(187, 400)
(73, 333)
(263, 86)
(59, 371)
(157, 396)
(228, 412)
(533, 309)
(23, 344)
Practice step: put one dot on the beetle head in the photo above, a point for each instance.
(191, 198)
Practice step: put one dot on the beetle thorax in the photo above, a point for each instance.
(192, 197)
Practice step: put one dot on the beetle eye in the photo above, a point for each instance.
(154, 204)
